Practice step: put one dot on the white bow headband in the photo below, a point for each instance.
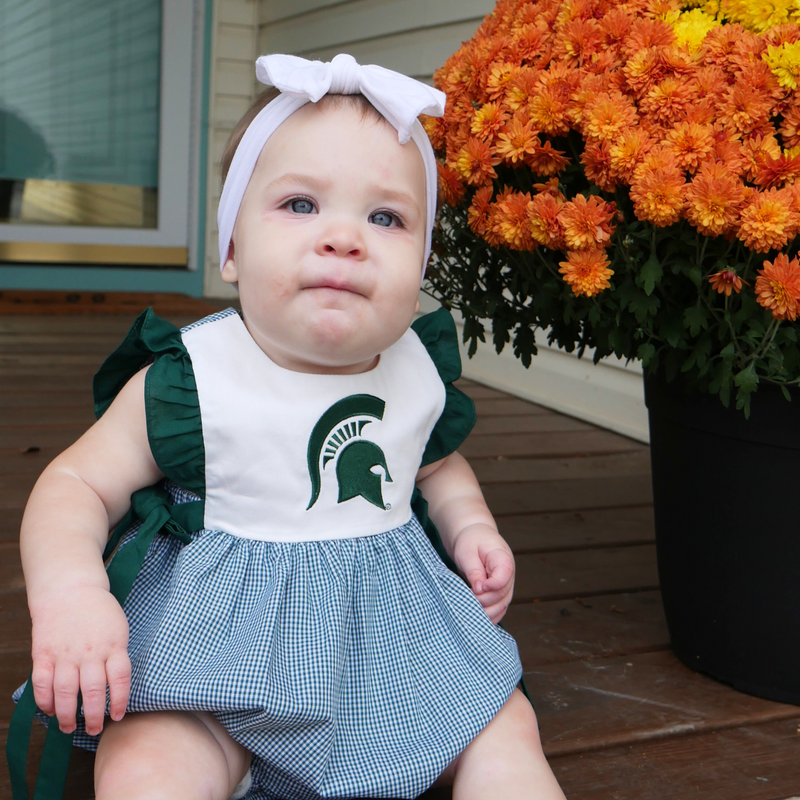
(398, 98)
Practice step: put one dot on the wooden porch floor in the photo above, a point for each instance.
(620, 717)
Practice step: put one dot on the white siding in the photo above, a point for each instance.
(234, 49)
(414, 37)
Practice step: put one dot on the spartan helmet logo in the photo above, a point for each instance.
(337, 436)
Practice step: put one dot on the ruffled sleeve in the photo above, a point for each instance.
(437, 332)
(174, 427)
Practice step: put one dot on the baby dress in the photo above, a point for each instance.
(301, 600)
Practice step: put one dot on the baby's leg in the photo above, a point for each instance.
(505, 759)
(168, 754)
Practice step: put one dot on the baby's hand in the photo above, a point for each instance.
(487, 563)
(80, 642)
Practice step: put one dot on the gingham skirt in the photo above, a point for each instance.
(349, 668)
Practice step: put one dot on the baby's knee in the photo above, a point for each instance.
(518, 719)
(155, 755)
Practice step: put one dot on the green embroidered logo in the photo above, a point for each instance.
(339, 431)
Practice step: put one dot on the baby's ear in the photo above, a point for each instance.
(229, 272)
(416, 308)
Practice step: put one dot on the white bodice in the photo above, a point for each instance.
(291, 456)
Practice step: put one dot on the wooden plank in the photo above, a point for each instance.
(21, 302)
(43, 436)
(609, 625)
(510, 470)
(44, 399)
(754, 762)
(15, 488)
(478, 391)
(507, 406)
(45, 382)
(581, 442)
(15, 622)
(591, 704)
(576, 573)
(80, 778)
(526, 497)
(11, 579)
(20, 460)
(10, 520)
(562, 530)
(529, 423)
(82, 414)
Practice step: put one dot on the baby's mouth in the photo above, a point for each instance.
(334, 285)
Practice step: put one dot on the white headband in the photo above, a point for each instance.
(398, 98)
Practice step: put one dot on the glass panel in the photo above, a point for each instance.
(79, 111)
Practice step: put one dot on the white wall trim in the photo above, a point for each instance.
(609, 394)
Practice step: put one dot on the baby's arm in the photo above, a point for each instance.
(80, 634)
(468, 531)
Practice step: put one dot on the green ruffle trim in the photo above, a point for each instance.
(437, 331)
(174, 427)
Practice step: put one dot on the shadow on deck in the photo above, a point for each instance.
(620, 717)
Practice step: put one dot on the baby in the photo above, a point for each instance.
(288, 629)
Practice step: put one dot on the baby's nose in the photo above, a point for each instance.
(343, 240)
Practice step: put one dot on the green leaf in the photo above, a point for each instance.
(747, 379)
(650, 274)
(646, 352)
(785, 392)
(695, 319)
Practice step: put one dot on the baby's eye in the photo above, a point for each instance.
(300, 205)
(385, 219)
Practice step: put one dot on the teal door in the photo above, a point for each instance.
(102, 114)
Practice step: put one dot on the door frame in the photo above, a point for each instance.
(186, 59)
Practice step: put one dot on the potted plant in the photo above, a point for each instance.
(622, 175)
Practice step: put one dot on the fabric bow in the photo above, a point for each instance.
(398, 98)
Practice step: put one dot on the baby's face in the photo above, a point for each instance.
(328, 243)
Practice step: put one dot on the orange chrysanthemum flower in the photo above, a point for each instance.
(643, 70)
(548, 112)
(743, 108)
(512, 221)
(577, 41)
(478, 212)
(521, 88)
(658, 195)
(435, 127)
(596, 160)
(488, 121)
(607, 115)
(475, 162)
(790, 126)
(615, 27)
(713, 200)
(668, 101)
(544, 220)
(546, 160)
(778, 287)
(498, 80)
(586, 271)
(755, 152)
(726, 281)
(587, 223)
(767, 221)
(627, 151)
(451, 190)
(529, 43)
(690, 143)
(648, 33)
(784, 169)
(516, 140)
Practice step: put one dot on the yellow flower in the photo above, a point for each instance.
(691, 28)
(784, 61)
(758, 15)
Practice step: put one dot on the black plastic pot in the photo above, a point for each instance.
(726, 492)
